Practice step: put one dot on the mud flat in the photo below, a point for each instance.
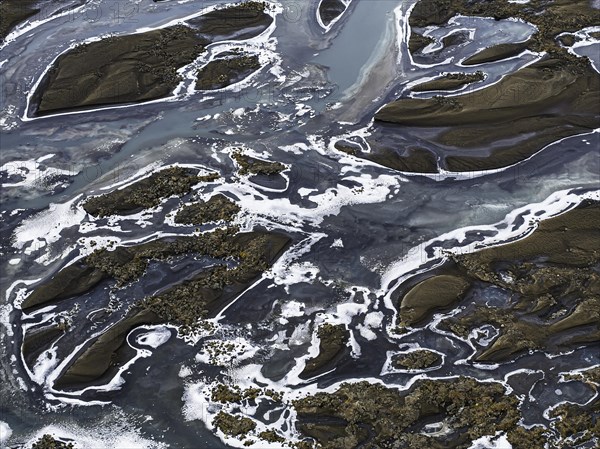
(140, 67)
(242, 21)
(122, 69)
(538, 114)
(550, 277)
(371, 415)
(223, 72)
(497, 128)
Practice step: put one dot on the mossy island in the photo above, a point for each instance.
(416, 360)
(14, 12)
(529, 118)
(143, 66)
(551, 276)
(365, 414)
(216, 208)
(147, 192)
(224, 71)
(248, 165)
(47, 441)
(330, 10)
(333, 340)
(184, 304)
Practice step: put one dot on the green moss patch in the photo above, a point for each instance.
(271, 436)
(223, 72)
(13, 12)
(551, 275)
(250, 165)
(146, 193)
(580, 424)
(416, 360)
(329, 10)
(372, 415)
(450, 81)
(235, 426)
(332, 344)
(49, 442)
(217, 208)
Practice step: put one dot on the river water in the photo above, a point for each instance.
(359, 228)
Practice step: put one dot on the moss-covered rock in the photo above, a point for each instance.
(418, 42)
(203, 295)
(146, 193)
(223, 72)
(217, 208)
(329, 10)
(49, 442)
(142, 66)
(271, 436)
(235, 426)
(590, 376)
(225, 394)
(434, 294)
(416, 360)
(250, 165)
(371, 415)
(577, 424)
(333, 341)
(551, 276)
(13, 12)
(450, 81)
